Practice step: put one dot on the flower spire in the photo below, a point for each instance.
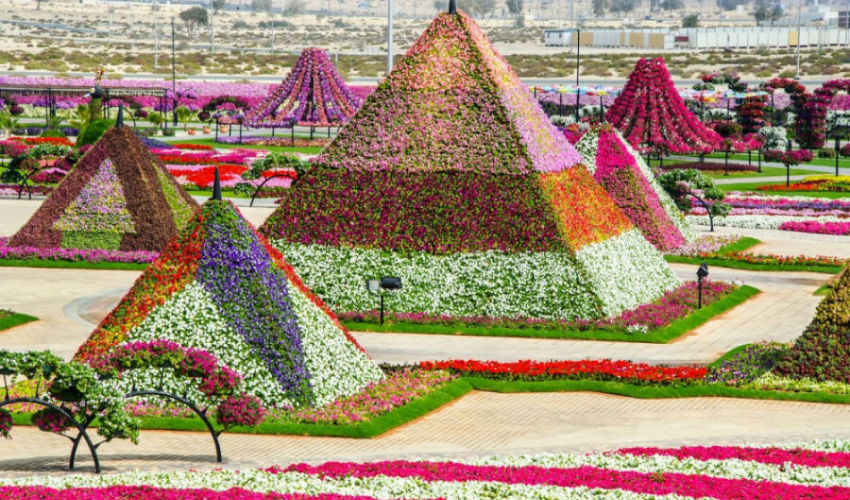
(452, 7)
(216, 186)
(119, 121)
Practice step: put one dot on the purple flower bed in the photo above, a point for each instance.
(74, 255)
(240, 291)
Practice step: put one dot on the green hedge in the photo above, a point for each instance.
(664, 335)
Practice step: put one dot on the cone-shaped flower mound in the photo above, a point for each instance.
(451, 177)
(652, 116)
(312, 95)
(220, 287)
(119, 196)
(632, 185)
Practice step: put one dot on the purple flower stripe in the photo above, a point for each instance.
(253, 297)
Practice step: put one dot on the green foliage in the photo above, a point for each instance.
(52, 132)
(600, 7)
(184, 114)
(106, 240)
(623, 5)
(515, 7)
(193, 17)
(156, 118)
(81, 118)
(272, 161)
(19, 171)
(94, 131)
(690, 21)
(8, 122)
(684, 184)
(671, 4)
(14, 320)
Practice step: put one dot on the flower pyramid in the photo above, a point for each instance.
(119, 196)
(220, 287)
(632, 186)
(451, 177)
(313, 95)
(652, 115)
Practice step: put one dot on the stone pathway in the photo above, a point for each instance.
(480, 424)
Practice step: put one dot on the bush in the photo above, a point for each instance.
(826, 153)
(94, 131)
(845, 151)
(52, 132)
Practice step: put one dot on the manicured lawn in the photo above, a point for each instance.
(120, 266)
(733, 263)
(278, 149)
(14, 320)
(751, 186)
(824, 162)
(661, 336)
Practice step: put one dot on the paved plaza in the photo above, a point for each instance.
(71, 302)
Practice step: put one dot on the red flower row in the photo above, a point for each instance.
(548, 369)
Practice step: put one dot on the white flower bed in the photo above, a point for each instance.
(611, 276)
(757, 221)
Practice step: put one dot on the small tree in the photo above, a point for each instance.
(600, 7)
(8, 122)
(274, 165)
(156, 118)
(515, 9)
(196, 16)
(623, 5)
(690, 21)
(184, 114)
(671, 4)
(789, 159)
(684, 184)
(219, 4)
(20, 172)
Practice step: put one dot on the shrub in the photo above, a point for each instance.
(52, 132)
(826, 153)
(94, 131)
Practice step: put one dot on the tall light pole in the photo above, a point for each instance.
(799, 35)
(155, 36)
(212, 29)
(173, 72)
(389, 36)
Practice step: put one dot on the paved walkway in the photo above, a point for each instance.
(480, 424)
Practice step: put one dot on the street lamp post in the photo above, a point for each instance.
(578, 61)
(799, 35)
(173, 72)
(389, 36)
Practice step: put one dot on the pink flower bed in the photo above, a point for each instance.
(75, 255)
(776, 456)
(668, 483)
(618, 172)
(150, 493)
(834, 228)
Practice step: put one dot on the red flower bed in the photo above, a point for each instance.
(605, 369)
(53, 141)
(194, 147)
(188, 160)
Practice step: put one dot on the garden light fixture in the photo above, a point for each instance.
(702, 273)
(385, 283)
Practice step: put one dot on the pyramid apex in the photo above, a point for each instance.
(216, 186)
(452, 7)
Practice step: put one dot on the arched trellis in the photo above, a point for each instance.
(159, 393)
(81, 428)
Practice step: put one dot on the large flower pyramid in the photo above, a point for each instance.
(451, 177)
(119, 196)
(220, 287)
(312, 95)
(652, 116)
(632, 185)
